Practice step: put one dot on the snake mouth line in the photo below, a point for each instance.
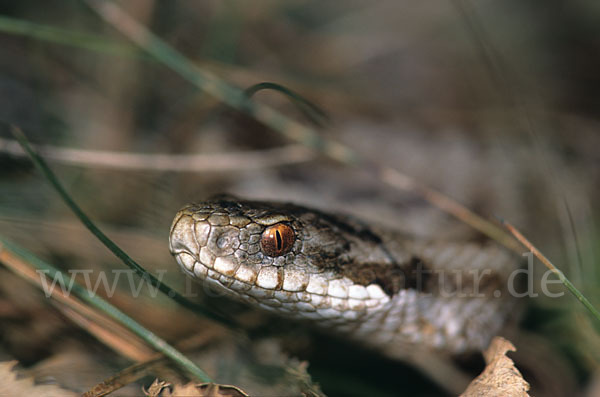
(267, 288)
(300, 304)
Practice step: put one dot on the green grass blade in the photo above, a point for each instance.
(311, 111)
(119, 253)
(580, 297)
(216, 87)
(538, 254)
(65, 37)
(102, 305)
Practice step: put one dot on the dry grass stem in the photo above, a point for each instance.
(519, 236)
(141, 369)
(110, 332)
(231, 161)
(399, 180)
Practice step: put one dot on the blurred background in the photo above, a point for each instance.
(410, 84)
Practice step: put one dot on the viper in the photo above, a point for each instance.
(410, 298)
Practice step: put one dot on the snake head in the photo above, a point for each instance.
(281, 257)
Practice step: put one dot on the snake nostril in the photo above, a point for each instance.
(223, 241)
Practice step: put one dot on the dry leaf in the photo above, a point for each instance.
(207, 390)
(155, 388)
(500, 376)
(11, 386)
(193, 390)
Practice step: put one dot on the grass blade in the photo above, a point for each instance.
(580, 297)
(311, 111)
(119, 253)
(99, 303)
(68, 37)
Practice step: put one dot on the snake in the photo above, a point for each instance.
(384, 288)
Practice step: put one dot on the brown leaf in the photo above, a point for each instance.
(206, 390)
(500, 377)
(156, 388)
(11, 386)
(160, 388)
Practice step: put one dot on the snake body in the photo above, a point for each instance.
(381, 287)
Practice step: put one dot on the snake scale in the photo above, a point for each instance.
(383, 288)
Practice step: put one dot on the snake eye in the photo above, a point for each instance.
(277, 240)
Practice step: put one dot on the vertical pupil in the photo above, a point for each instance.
(279, 241)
